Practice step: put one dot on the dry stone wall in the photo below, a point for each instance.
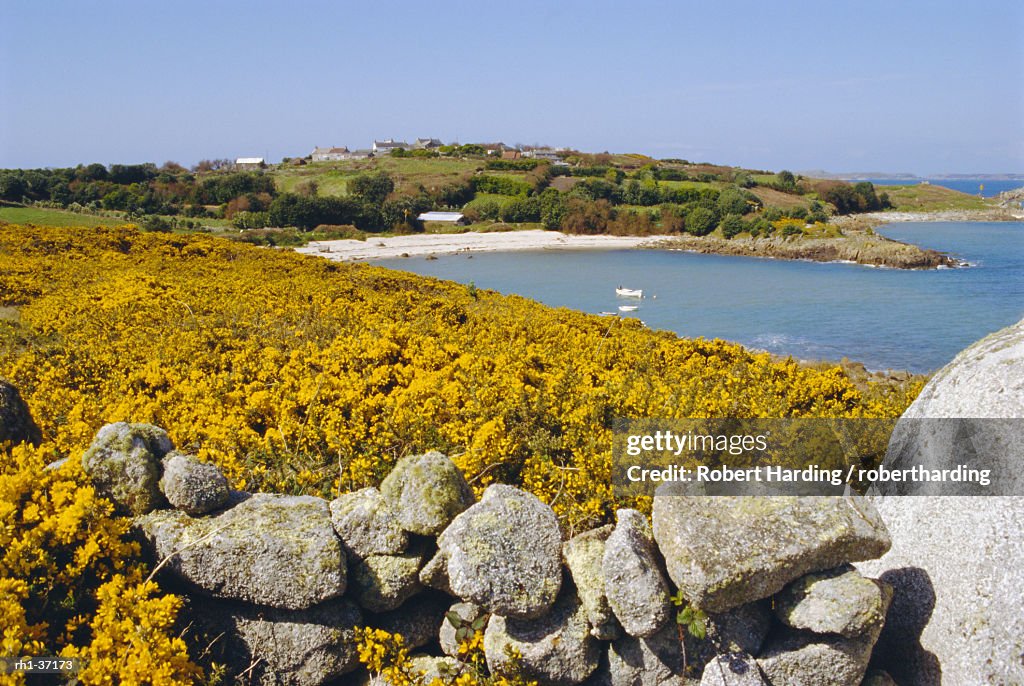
(288, 579)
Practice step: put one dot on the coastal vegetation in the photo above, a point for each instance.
(314, 381)
(587, 194)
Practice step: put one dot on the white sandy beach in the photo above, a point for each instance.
(445, 244)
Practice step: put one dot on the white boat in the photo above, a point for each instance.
(628, 308)
(606, 314)
(629, 292)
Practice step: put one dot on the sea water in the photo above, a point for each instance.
(885, 318)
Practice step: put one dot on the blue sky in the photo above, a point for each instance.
(924, 87)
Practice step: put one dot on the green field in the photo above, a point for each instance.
(923, 197)
(48, 217)
(409, 173)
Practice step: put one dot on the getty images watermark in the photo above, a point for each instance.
(727, 456)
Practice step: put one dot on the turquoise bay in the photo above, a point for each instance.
(885, 318)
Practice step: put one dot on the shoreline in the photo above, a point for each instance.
(858, 246)
(420, 245)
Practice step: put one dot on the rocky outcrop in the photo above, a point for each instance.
(857, 246)
(957, 562)
(723, 552)
(124, 463)
(16, 423)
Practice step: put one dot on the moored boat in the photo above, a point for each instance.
(629, 292)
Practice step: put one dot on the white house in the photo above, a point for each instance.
(330, 154)
(427, 143)
(250, 163)
(386, 146)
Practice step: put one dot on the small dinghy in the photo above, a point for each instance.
(629, 292)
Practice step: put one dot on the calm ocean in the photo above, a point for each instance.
(985, 187)
(886, 318)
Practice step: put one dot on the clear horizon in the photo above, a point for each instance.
(919, 87)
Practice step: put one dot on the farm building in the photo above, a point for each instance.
(446, 217)
(386, 146)
(330, 154)
(249, 163)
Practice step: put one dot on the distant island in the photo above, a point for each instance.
(398, 188)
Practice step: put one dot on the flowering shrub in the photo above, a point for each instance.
(71, 584)
(298, 375)
(295, 374)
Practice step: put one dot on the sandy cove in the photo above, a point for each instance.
(374, 248)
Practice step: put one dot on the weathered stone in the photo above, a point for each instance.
(273, 550)
(192, 486)
(742, 629)
(294, 648)
(367, 525)
(653, 661)
(634, 583)
(584, 556)
(418, 620)
(726, 551)
(16, 423)
(798, 658)
(124, 464)
(504, 553)
(556, 649)
(435, 574)
(383, 582)
(427, 492)
(957, 563)
(732, 669)
(837, 601)
(468, 614)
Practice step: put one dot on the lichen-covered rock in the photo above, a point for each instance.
(957, 562)
(726, 551)
(837, 601)
(192, 486)
(466, 616)
(584, 556)
(634, 583)
(732, 669)
(653, 661)
(418, 620)
(742, 629)
(799, 658)
(367, 525)
(274, 550)
(427, 492)
(435, 574)
(16, 423)
(383, 582)
(293, 648)
(504, 553)
(556, 649)
(124, 462)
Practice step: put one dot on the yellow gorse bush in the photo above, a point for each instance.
(71, 584)
(300, 375)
